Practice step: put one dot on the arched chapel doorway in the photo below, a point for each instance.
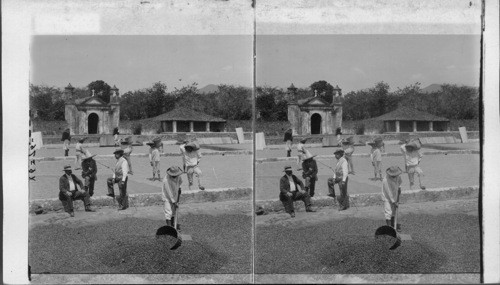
(316, 124)
(93, 123)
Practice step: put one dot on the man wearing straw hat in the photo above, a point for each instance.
(340, 177)
(411, 152)
(391, 189)
(310, 173)
(68, 191)
(290, 191)
(170, 192)
(120, 176)
(89, 172)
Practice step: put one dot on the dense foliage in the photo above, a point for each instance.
(229, 102)
(234, 102)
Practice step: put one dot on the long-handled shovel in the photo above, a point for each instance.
(172, 231)
(391, 231)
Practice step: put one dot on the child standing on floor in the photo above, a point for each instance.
(126, 145)
(348, 147)
(302, 151)
(80, 151)
(288, 140)
(154, 159)
(376, 157)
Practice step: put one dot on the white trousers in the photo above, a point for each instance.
(169, 210)
(389, 209)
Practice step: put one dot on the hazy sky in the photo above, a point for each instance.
(352, 61)
(135, 62)
(359, 61)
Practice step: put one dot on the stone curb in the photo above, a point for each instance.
(149, 199)
(375, 199)
(437, 152)
(236, 152)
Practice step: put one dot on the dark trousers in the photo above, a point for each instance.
(343, 198)
(288, 201)
(310, 185)
(67, 201)
(89, 184)
(123, 198)
(66, 152)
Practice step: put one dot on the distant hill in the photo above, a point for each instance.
(432, 88)
(208, 89)
(438, 87)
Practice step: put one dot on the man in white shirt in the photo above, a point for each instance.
(120, 176)
(170, 191)
(340, 177)
(391, 189)
(68, 191)
(291, 189)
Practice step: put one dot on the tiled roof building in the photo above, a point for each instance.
(188, 120)
(406, 119)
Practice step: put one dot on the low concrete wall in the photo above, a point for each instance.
(232, 152)
(226, 194)
(374, 199)
(51, 139)
(437, 152)
(141, 200)
(272, 140)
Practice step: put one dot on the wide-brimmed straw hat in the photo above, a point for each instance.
(288, 167)
(394, 171)
(193, 145)
(67, 167)
(174, 171)
(339, 151)
(304, 140)
(412, 144)
(82, 140)
(88, 155)
(308, 155)
(372, 143)
(127, 140)
(150, 143)
(348, 140)
(120, 151)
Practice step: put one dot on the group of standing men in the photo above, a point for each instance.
(344, 167)
(72, 188)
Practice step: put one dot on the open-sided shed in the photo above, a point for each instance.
(406, 119)
(188, 120)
